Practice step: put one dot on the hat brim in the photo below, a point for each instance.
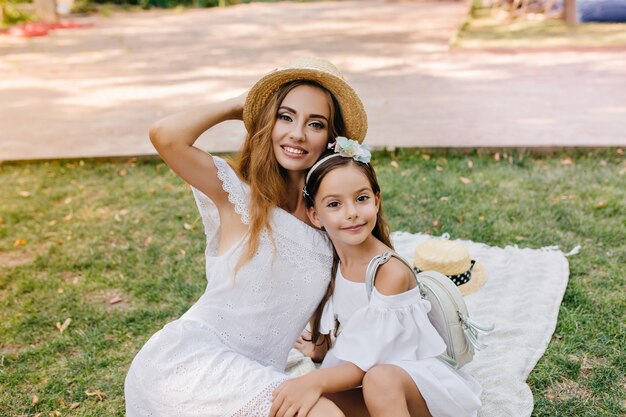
(352, 109)
(479, 277)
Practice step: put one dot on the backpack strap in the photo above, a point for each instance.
(372, 268)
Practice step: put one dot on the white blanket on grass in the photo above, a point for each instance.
(521, 297)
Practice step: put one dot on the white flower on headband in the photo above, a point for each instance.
(349, 148)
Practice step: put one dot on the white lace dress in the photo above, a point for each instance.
(225, 356)
(395, 330)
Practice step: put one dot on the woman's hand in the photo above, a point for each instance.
(238, 103)
(296, 397)
(316, 352)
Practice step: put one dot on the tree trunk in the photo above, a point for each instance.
(569, 12)
(46, 10)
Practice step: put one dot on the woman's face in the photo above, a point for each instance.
(300, 133)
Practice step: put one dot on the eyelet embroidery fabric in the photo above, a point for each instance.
(227, 353)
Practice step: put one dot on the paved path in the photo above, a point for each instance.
(94, 92)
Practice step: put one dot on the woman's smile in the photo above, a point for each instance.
(294, 151)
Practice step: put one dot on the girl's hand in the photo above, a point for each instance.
(316, 352)
(296, 397)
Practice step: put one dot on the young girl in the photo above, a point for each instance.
(267, 268)
(386, 346)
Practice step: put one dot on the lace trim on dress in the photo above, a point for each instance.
(260, 405)
(235, 188)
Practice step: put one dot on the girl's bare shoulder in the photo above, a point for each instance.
(393, 277)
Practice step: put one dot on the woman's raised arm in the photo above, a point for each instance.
(173, 138)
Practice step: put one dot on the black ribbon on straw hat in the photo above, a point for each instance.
(459, 279)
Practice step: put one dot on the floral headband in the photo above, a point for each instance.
(346, 148)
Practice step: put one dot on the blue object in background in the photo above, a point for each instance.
(610, 11)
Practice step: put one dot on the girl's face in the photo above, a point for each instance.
(346, 206)
(300, 133)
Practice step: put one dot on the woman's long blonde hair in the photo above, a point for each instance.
(257, 164)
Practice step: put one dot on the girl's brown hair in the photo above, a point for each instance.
(257, 164)
(380, 231)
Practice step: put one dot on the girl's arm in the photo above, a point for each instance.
(297, 396)
(173, 138)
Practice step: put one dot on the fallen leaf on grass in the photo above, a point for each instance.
(395, 164)
(436, 224)
(147, 241)
(68, 217)
(64, 326)
(439, 168)
(460, 220)
(519, 238)
(187, 226)
(470, 164)
(496, 156)
(35, 400)
(55, 413)
(444, 198)
(115, 299)
(122, 173)
(74, 406)
(601, 204)
(425, 157)
(19, 242)
(95, 393)
(621, 172)
(566, 161)
(619, 151)
(24, 194)
(465, 180)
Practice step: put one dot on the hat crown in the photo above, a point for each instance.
(314, 64)
(444, 256)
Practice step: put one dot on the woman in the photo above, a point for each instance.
(267, 268)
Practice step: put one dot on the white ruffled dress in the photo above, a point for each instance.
(227, 353)
(395, 330)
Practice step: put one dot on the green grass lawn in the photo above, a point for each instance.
(118, 249)
(485, 30)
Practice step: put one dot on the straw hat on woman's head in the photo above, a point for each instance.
(311, 69)
(452, 259)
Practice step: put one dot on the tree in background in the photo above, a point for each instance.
(569, 12)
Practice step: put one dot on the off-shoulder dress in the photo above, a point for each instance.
(395, 330)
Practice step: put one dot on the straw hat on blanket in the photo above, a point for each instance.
(312, 69)
(452, 259)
